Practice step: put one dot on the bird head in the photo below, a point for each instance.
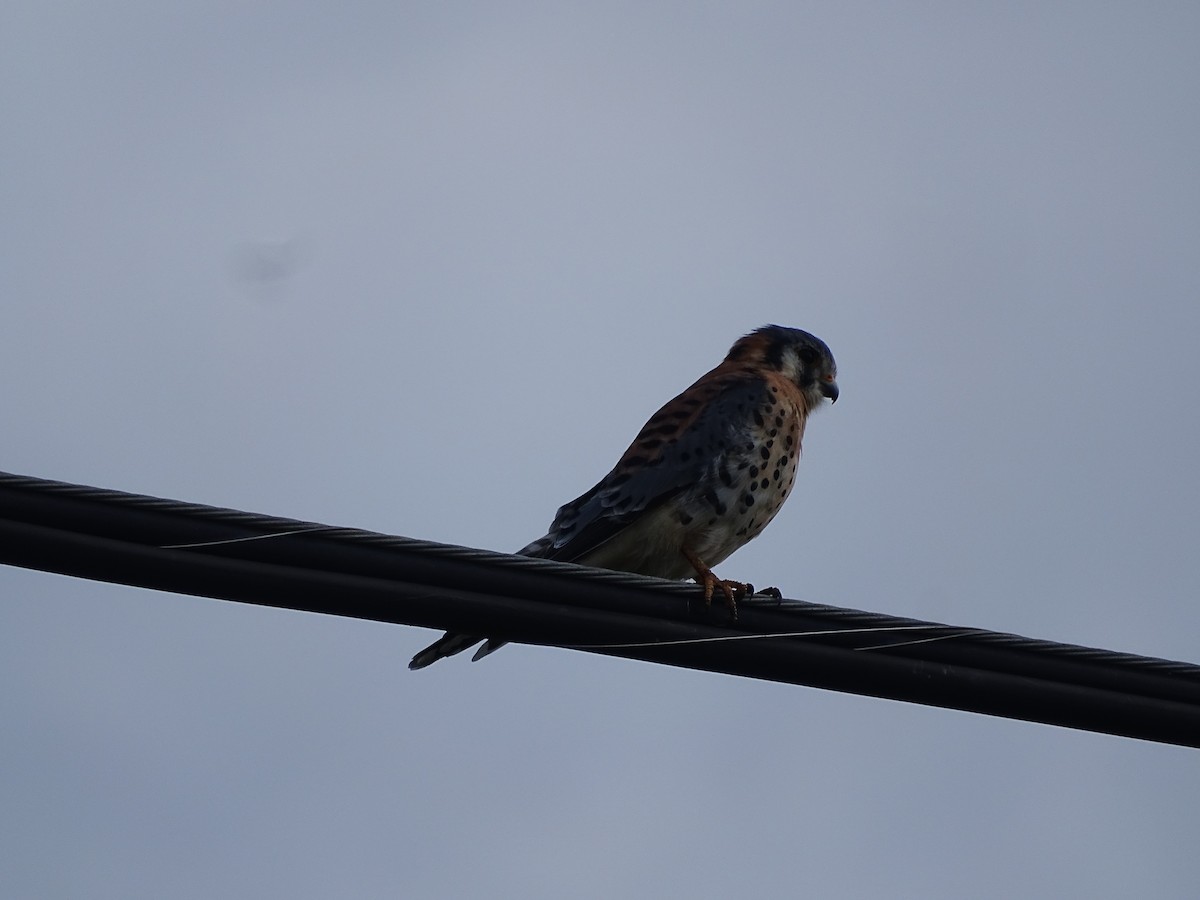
(797, 355)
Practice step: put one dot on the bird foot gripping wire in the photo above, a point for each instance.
(732, 590)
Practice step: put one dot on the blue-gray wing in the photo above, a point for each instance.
(688, 445)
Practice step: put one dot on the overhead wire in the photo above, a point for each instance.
(227, 554)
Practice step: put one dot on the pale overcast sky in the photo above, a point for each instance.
(426, 269)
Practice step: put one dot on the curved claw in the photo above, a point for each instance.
(733, 590)
(774, 593)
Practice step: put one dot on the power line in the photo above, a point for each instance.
(191, 549)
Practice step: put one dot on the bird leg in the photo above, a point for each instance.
(733, 590)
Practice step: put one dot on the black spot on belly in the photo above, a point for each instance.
(748, 499)
(764, 452)
(711, 498)
(685, 519)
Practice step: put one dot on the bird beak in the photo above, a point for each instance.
(830, 390)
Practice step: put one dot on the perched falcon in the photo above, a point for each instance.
(704, 476)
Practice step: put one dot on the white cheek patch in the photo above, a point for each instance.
(790, 364)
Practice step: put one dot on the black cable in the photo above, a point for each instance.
(191, 549)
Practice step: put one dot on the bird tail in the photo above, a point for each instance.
(447, 645)
(491, 645)
(450, 643)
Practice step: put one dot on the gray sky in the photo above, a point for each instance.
(426, 269)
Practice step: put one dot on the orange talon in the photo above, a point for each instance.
(733, 590)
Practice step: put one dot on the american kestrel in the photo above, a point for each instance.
(704, 475)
